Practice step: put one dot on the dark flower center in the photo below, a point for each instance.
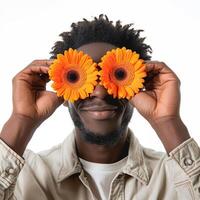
(73, 76)
(120, 74)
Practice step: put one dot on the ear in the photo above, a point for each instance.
(66, 103)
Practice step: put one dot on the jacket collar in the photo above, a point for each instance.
(136, 165)
(70, 163)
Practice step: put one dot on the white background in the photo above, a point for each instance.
(29, 29)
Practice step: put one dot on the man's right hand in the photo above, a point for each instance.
(30, 98)
(32, 104)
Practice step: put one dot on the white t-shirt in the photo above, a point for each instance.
(102, 175)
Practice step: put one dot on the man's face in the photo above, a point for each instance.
(100, 118)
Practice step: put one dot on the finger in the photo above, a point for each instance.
(37, 63)
(31, 70)
(36, 76)
(66, 103)
(157, 66)
(149, 80)
(141, 97)
(158, 71)
(57, 100)
(45, 63)
(44, 77)
(35, 81)
(42, 62)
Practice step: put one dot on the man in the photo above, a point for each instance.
(101, 159)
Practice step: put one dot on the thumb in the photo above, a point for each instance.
(143, 99)
(57, 101)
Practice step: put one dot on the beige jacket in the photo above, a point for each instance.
(57, 174)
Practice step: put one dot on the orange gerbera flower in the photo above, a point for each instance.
(122, 73)
(74, 75)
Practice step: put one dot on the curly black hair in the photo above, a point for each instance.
(101, 29)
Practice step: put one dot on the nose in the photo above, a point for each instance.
(99, 92)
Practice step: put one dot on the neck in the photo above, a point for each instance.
(102, 153)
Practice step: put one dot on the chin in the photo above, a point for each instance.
(103, 127)
(102, 136)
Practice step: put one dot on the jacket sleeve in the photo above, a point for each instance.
(187, 155)
(10, 166)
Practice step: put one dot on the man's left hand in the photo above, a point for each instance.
(159, 104)
(162, 96)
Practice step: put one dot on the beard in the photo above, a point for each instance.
(110, 138)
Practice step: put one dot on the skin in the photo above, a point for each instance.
(158, 104)
(96, 123)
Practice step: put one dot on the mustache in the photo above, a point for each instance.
(107, 101)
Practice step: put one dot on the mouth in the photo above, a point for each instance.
(102, 115)
(103, 112)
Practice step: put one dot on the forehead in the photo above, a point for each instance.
(96, 49)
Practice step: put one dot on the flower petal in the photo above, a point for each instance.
(128, 61)
(76, 61)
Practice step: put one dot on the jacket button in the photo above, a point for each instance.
(188, 161)
(11, 171)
